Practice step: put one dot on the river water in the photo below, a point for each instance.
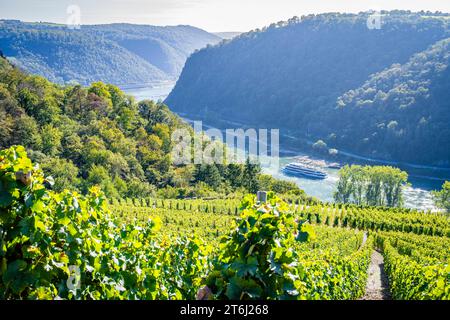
(417, 196)
(157, 92)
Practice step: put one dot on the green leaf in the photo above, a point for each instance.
(37, 206)
(5, 199)
(13, 269)
(239, 287)
(38, 224)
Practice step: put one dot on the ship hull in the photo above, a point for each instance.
(301, 174)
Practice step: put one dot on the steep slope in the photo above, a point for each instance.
(400, 113)
(64, 57)
(97, 135)
(164, 47)
(298, 69)
(122, 54)
(88, 136)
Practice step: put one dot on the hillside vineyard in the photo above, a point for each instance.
(153, 249)
(95, 204)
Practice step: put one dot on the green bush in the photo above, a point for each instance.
(65, 245)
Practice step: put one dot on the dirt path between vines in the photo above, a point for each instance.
(377, 283)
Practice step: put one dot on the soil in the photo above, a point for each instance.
(377, 283)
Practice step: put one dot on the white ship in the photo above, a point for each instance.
(304, 171)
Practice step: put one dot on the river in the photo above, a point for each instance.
(417, 195)
(155, 92)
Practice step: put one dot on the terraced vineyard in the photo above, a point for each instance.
(377, 219)
(337, 215)
(206, 249)
(334, 265)
(417, 265)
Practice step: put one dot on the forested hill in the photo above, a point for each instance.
(87, 136)
(97, 135)
(402, 112)
(291, 74)
(122, 54)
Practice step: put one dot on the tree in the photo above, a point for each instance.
(51, 140)
(371, 185)
(320, 146)
(393, 182)
(234, 175)
(269, 183)
(344, 188)
(374, 190)
(358, 176)
(209, 174)
(250, 176)
(26, 132)
(99, 136)
(442, 198)
(101, 90)
(64, 172)
(163, 132)
(98, 176)
(139, 189)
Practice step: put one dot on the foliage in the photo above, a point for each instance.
(417, 266)
(140, 54)
(442, 197)
(270, 255)
(397, 112)
(256, 260)
(333, 264)
(371, 185)
(89, 136)
(320, 146)
(375, 218)
(348, 105)
(267, 182)
(45, 236)
(69, 246)
(63, 171)
(100, 136)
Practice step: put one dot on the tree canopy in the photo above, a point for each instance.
(122, 54)
(323, 77)
(371, 186)
(98, 136)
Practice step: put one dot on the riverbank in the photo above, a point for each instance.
(417, 196)
(425, 177)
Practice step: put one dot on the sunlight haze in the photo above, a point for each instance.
(211, 15)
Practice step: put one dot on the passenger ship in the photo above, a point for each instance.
(303, 171)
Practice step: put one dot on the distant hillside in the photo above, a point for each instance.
(402, 112)
(291, 74)
(122, 54)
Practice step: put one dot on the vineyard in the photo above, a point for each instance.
(351, 216)
(417, 266)
(206, 249)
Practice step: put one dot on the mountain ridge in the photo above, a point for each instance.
(300, 68)
(119, 53)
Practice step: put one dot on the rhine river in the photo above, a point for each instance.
(417, 195)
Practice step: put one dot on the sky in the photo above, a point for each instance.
(211, 15)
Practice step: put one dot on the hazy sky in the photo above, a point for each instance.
(211, 15)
